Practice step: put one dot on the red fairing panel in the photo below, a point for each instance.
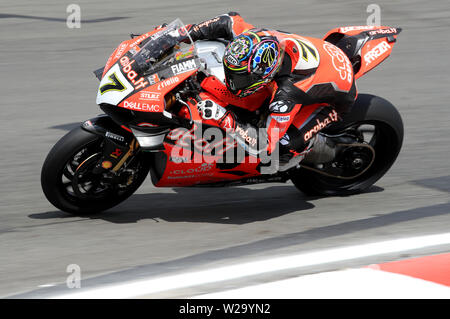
(185, 167)
(373, 53)
(381, 40)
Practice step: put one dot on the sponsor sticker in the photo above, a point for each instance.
(120, 50)
(115, 136)
(205, 24)
(153, 79)
(150, 96)
(280, 118)
(168, 82)
(383, 31)
(332, 117)
(117, 153)
(140, 39)
(245, 136)
(127, 68)
(183, 55)
(183, 67)
(376, 52)
(106, 164)
(205, 167)
(356, 28)
(145, 107)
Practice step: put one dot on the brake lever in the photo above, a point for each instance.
(178, 98)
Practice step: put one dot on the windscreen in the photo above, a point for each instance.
(165, 48)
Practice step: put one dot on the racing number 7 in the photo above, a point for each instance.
(114, 85)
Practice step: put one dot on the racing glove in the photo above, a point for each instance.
(215, 114)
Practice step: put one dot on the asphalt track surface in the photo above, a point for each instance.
(47, 87)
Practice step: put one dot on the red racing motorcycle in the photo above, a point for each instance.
(149, 89)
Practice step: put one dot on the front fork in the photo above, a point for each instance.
(119, 145)
(114, 156)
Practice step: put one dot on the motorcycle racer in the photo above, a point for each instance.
(311, 80)
(157, 89)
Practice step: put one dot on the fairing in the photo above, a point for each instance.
(141, 71)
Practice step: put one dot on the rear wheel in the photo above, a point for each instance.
(375, 125)
(68, 180)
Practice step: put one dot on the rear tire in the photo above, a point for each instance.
(63, 159)
(386, 141)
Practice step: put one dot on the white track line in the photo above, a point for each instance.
(364, 283)
(149, 286)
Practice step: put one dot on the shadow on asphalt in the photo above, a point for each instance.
(440, 183)
(235, 205)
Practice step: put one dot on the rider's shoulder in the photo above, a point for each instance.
(303, 51)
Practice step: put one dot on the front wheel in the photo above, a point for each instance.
(69, 183)
(376, 123)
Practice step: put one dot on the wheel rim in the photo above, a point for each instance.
(78, 183)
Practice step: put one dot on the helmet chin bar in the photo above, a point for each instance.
(249, 91)
(256, 84)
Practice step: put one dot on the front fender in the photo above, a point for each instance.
(104, 126)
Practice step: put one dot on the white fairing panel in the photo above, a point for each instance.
(212, 52)
(114, 96)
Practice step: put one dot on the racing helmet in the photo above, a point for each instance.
(251, 61)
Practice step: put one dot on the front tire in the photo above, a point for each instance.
(387, 139)
(59, 170)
